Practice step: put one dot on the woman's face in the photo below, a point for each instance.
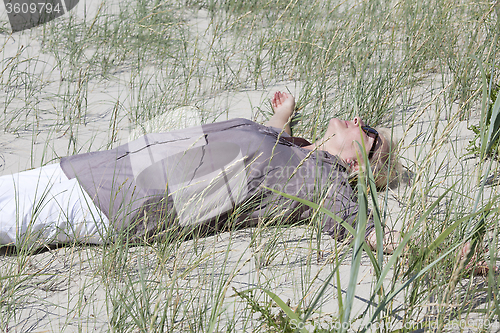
(342, 138)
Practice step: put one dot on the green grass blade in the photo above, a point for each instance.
(434, 245)
(288, 311)
(377, 221)
(311, 204)
(357, 253)
(389, 297)
(321, 292)
(401, 247)
(347, 226)
(484, 107)
(487, 210)
(494, 130)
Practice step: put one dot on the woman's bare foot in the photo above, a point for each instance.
(283, 104)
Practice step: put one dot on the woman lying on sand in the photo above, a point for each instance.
(199, 178)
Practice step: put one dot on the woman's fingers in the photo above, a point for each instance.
(276, 99)
(283, 103)
(279, 98)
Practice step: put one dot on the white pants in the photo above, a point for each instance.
(43, 206)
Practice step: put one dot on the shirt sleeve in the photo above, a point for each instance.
(342, 201)
(278, 131)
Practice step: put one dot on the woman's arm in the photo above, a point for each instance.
(283, 106)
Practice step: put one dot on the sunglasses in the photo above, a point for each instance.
(372, 133)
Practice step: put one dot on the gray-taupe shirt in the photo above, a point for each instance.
(213, 173)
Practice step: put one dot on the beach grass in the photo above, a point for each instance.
(84, 81)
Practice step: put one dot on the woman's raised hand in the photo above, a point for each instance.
(283, 104)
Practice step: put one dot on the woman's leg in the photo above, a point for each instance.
(43, 206)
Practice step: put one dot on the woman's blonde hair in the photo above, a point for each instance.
(385, 165)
